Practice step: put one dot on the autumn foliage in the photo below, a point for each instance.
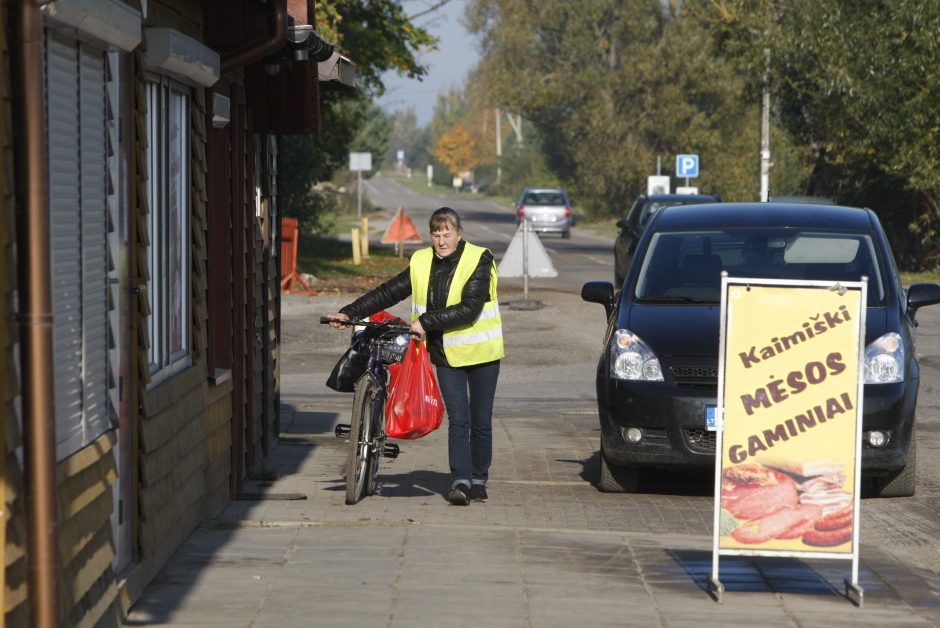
(457, 150)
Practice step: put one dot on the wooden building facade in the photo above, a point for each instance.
(156, 178)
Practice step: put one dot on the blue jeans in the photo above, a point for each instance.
(468, 393)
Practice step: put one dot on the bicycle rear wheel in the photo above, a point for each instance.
(362, 462)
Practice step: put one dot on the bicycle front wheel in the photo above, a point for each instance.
(362, 463)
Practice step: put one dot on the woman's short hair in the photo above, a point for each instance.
(443, 217)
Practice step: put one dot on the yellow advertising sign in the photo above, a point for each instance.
(791, 418)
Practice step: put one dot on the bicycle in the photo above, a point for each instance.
(385, 343)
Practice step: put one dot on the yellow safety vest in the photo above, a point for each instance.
(478, 342)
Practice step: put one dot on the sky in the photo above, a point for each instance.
(447, 66)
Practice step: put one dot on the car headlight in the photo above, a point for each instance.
(632, 359)
(884, 360)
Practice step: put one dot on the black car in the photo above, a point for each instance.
(631, 227)
(658, 373)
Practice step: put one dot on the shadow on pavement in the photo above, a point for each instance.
(766, 574)
(655, 481)
(411, 484)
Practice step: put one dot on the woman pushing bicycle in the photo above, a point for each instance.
(454, 307)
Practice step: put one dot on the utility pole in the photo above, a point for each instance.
(499, 149)
(765, 162)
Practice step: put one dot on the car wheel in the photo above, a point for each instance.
(616, 478)
(899, 483)
(565, 234)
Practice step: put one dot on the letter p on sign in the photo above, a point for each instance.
(687, 166)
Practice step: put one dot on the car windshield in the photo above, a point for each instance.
(685, 266)
(544, 198)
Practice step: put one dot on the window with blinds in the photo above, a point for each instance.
(79, 195)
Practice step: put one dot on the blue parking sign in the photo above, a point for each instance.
(687, 166)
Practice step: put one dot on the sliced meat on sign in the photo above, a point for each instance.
(774, 525)
(753, 501)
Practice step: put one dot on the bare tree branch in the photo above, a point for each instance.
(430, 9)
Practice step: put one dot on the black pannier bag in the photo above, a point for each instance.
(351, 365)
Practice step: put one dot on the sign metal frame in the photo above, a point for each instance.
(853, 591)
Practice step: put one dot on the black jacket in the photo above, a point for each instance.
(438, 318)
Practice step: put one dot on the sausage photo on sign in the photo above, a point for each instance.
(832, 529)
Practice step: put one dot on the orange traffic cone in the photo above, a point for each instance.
(401, 230)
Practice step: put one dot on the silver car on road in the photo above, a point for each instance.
(548, 210)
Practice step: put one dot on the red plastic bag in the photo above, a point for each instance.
(414, 407)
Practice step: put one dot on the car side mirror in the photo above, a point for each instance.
(599, 292)
(623, 223)
(920, 294)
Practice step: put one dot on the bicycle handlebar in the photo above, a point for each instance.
(326, 320)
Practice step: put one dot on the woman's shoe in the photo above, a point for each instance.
(459, 495)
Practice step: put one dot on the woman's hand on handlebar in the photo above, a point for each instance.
(337, 322)
(417, 329)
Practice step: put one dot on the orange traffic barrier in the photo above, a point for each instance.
(290, 244)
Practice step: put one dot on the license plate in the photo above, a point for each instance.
(547, 218)
(711, 418)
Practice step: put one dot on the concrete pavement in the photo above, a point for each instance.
(547, 549)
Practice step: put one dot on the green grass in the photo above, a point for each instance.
(604, 226)
(329, 258)
(907, 278)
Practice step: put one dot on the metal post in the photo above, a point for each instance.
(765, 133)
(499, 149)
(525, 259)
(359, 193)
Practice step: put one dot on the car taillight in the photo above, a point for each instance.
(521, 211)
(567, 212)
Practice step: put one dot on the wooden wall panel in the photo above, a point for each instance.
(86, 544)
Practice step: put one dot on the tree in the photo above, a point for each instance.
(457, 150)
(610, 85)
(859, 88)
(377, 35)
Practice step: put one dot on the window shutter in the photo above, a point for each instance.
(76, 111)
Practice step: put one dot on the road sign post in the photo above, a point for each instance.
(359, 162)
(687, 166)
